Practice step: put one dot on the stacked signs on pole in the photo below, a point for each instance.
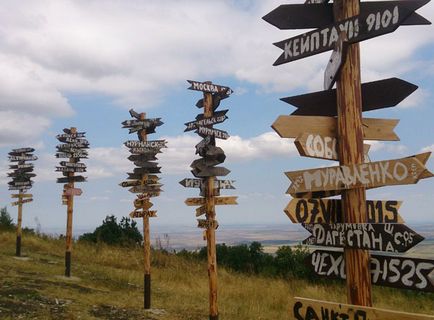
(144, 181)
(315, 130)
(72, 148)
(206, 169)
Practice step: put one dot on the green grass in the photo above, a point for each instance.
(110, 287)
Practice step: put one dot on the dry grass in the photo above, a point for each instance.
(110, 287)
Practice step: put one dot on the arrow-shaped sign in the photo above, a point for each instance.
(323, 147)
(207, 224)
(146, 144)
(21, 202)
(199, 183)
(144, 204)
(215, 119)
(368, 236)
(70, 169)
(210, 172)
(21, 150)
(73, 192)
(146, 123)
(68, 134)
(144, 188)
(294, 126)
(375, 95)
(146, 170)
(23, 158)
(68, 139)
(299, 16)
(217, 201)
(385, 18)
(330, 211)
(71, 179)
(22, 195)
(402, 171)
(216, 133)
(307, 309)
(209, 87)
(200, 211)
(141, 214)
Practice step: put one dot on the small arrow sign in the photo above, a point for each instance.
(23, 158)
(215, 119)
(321, 147)
(307, 309)
(71, 179)
(209, 87)
(141, 214)
(368, 236)
(387, 271)
(336, 61)
(22, 166)
(299, 16)
(21, 202)
(68, 139)
(205, 131)
(199, 183)
(195, 201)
(375, 95)
(225, 200)
(203, 163)
(22, 195)
(70, 169)
(21, 150)
(70, 135)
(76, 155)
(207, 224)
(330, 211)
(403, 171)
(144, 204)
(295, 126)
(73, 192)
(386, 18)
(210, 172)
(146, 189)
(72, 164)
(149, 152)
(141, 171)
(146, 123)
(153, 144)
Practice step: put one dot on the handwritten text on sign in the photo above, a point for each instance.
(369, 236)
(390, 271)
(369, 175)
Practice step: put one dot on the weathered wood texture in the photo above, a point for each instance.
(69, 219)
(350, 140)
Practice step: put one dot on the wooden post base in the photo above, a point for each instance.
(147, 291)
(67, 264)
(18, 247)
(216, 317)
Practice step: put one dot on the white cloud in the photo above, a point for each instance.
(428, 148)
(391, 147)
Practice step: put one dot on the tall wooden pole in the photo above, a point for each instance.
(69, 214)
(210, 231)
(19, 223)
(146, 237)
(350, 137)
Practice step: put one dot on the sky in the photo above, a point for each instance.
(84, 64)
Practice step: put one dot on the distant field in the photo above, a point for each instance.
(109, 286)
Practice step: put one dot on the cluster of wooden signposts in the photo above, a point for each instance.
(329, 125)
(326, 125)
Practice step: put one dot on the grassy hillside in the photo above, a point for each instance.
(109, 286)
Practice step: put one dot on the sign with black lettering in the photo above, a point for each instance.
(77, 154)
(215, 119)
(199, 183)
(23, 158)
(72, 164)
(146, 144)
(369, 236)
(330, 211)
(383, 19)
(207, 224)
(216, 133)
(299, 16)
(149, 152)
(402, 171)
(375, 95)
(209, 87)
(28, 166)
(70, 169)
(68, 139)
(387, 271)
(68, 134)
(143, 124)
(71, 179)
(309, 309)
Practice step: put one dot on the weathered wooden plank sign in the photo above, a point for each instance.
(195, 201)
(210, 172)
(72, 164)
(73, 192)
(386, 18)
(216, 133)
(309, 309)
(209, 87)
(146, 123)
(192, 125)
(314, 145)
(70, 169)
(200, 211)
(22, 195)
(23, 158)
(144, 188)
(71, 179)
(294, 126)
(18, 151)
(71, 135)
(16, 203)
(336, 61)
(207, 224)
(375, 95)
(388, 271)
(146, 144)
(369, 236)
(299, 16)
(330, 211)
(402, 171)
(225, 200)
(143, 213)
(199, 183)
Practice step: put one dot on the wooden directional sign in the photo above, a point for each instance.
(146, 123)
(130, 183)
(22, 166)
(199, 183)
(146, 188)
(146, 164)
(323, 147)
(68, 139)
(143, 157)
(369, 236)
(72, 164)
(70, 135)
(207, 224)
(143, 204)
(204, 163)
(21, 202)
(195, 201)
(200, 211)
(209, 87)
(205, 131)
(77, 154)
(210, 172)
(71, 179)
(294, 126)
(141, 214)
(387, 271)
(225, 200)
(21, 175)
(70, 169)
(309, 309)
(146, 144)
(330, 211)
(369, 175)
(215, 119)
(147, 170)
(375, 95)
(336, 61)
(20, 183)
(299, 16)
(21, 150)
(385, 18)
(73, 192)
(22, 195)
(26, 157)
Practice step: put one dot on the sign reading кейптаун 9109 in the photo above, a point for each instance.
(387, 18)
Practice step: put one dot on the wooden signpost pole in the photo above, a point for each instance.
(210, 231)
(19, 222)
(146, 236)
(69, 213)
(350, 149)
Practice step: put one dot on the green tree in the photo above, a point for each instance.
(6, 222)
